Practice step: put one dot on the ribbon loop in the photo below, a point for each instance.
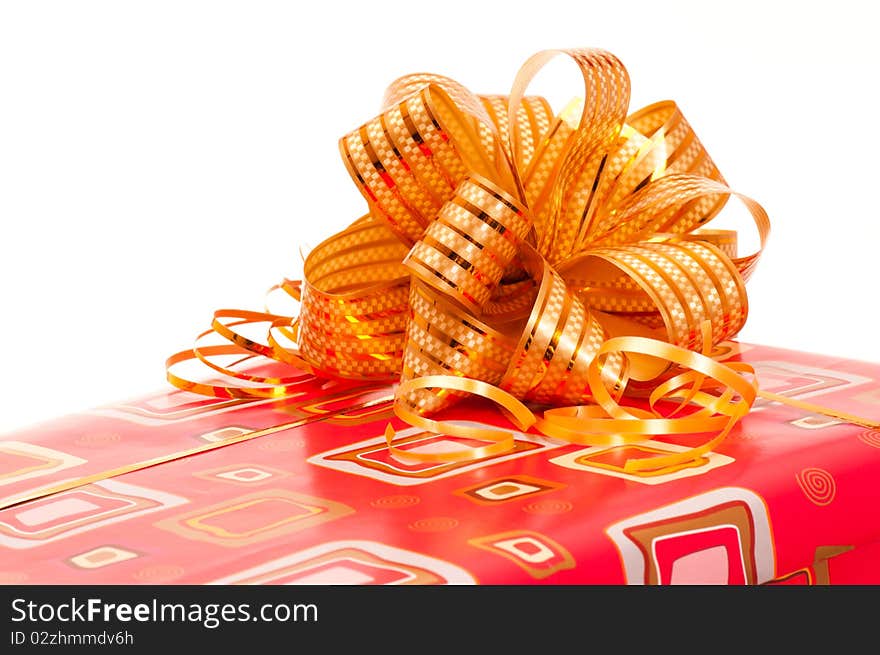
(465, 252)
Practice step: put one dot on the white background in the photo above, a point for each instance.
(159, 160)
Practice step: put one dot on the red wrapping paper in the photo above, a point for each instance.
(788, 498)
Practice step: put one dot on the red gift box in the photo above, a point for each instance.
(183, 489)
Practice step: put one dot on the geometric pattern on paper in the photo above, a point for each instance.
(355, 562)
(22, 461)
(799, 381)
(255, 517)
(818, 573)
(508, 488)
(610, 461)
(102, 556)
(372, 458)
(243, 474)
(224, 433)
(86, 508)
(719, 537)
(815, 422)
(533, 552)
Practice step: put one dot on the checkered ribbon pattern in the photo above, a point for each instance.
(557, 265)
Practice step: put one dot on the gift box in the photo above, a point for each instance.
(516, 367)
(178, 488)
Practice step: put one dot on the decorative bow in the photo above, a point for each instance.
(559, 261)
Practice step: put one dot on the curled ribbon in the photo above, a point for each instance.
(553, 264)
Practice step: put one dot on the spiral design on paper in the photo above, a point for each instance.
(818, 485)
(434, 524)
(871, 438)
(397, 501)
(97, 439)
(548, 507)
(159, 573)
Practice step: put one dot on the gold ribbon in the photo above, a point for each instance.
(553, 264)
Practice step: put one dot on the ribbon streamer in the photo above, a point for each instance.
(556, 265)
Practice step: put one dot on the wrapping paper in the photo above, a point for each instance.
(311, 494)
